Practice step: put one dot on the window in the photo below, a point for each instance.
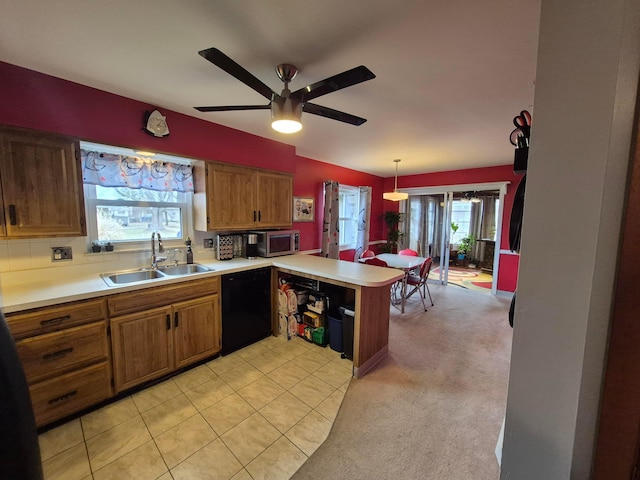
(461, 214)
(349, 201)
(125, 215)
(128, 197)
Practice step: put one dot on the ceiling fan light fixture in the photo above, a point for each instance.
(395, 196)
(286, 114)
(286, 126)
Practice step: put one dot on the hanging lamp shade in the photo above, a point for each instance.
(395, 196)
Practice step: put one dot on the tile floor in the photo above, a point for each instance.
(258, 413)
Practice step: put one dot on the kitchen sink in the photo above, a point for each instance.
(144, 275)
(184, 269)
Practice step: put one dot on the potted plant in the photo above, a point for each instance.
(96, 247)
(454, 229)
(108, 247)
(392, 219)
(465, 246)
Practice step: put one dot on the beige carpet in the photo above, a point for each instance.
(434, 407)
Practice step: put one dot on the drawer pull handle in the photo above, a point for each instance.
(13, 218)
(55, 321)
(59, 353)
(63, 398)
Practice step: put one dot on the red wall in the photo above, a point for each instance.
(309, 179)
(35, 100)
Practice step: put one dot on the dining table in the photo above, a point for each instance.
(406, 263)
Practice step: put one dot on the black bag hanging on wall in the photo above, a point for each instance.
(515, 225)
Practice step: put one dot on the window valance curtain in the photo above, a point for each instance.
(109, 170)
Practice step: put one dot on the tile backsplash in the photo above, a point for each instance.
(30, 254)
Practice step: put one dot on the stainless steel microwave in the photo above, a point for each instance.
(278, 242)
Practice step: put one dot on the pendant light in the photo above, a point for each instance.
(395, 196)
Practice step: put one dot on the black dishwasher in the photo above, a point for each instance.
(246, 308)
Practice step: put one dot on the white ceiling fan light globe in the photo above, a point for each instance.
(286, 126)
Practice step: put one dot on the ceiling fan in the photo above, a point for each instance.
(287, 107)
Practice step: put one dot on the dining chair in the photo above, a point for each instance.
(396, 288)
(408, 252)
(419, 282)
(376, 261)
(368, 254)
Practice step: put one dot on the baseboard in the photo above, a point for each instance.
(367, 366)
(504, 293)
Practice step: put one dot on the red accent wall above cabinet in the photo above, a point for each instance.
(35, 100)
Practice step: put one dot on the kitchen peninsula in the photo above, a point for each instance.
(20, 292)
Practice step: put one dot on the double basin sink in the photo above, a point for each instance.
(146, 274)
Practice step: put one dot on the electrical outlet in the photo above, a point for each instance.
(208, 243)
(61, 253)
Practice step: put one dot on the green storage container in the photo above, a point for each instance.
(319, 336)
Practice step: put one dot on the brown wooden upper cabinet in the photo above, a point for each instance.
(230, 197)
(41, 185)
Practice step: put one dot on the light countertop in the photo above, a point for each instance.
(39, 288)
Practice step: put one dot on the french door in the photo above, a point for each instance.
(429, 213)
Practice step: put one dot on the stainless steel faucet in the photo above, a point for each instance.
(154, 258)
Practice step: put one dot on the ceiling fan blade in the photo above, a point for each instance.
(233, 107)
(219, 59)
(337, 82)
(332, 114)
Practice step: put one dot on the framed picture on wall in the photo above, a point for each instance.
(303, 209)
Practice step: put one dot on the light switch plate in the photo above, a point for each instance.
(208, 243)
(59, 254)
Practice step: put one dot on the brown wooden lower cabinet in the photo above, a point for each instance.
(71, 363)
(141, 347)
(61, 396)
(55, 353)
(66, 356)
(196, 330)
(152, 343)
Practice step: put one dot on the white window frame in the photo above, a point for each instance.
(350, 221)
(91, 202)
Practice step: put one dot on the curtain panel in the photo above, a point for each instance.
(364, 215)
(330, 223)
(109, 170)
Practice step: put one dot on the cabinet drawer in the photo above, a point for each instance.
(50, 319)
(49, 355)
(69, 393)
(152, 297)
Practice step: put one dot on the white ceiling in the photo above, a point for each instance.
(451, 75)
